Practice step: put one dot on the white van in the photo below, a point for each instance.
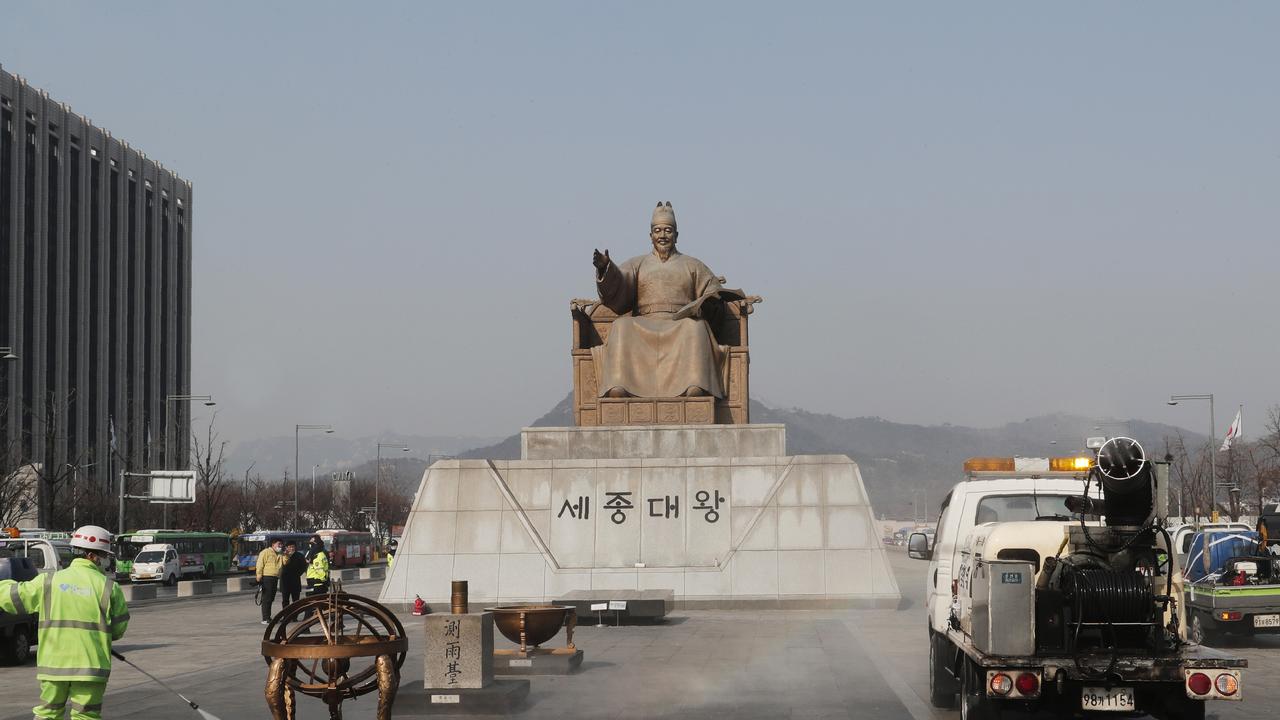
(998, 490)
(157, 562)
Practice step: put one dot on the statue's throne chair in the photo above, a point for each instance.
(728, 320)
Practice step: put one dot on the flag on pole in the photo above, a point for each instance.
(111, 424)
(1233, 432)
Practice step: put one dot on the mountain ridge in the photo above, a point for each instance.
(904, 463)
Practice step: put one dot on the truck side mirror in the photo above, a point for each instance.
(918, 547)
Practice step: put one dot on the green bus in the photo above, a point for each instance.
(211, 551)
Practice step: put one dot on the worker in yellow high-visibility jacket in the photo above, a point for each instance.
(82, 611)
(318, 570)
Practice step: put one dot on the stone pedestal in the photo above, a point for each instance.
(459, 652)
(499, 697)
(713, 514)
(537, 661)
(653, 441)
(458, 678)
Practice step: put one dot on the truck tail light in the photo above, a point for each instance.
(1199, 684)
(1028, 684)
(1229, 615)
(1226, 684)
(1001, 684)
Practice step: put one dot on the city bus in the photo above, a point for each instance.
(249, 545)
(347, 548)
(210, 550)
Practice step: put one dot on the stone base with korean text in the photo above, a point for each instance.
(713, 514)
(459, 651)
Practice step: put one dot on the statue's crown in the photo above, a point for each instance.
(663, 215)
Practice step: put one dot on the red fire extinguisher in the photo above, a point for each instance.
(419, 607)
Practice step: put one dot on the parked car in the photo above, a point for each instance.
(17, 632)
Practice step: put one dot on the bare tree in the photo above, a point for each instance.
(246, 518)
(17, 489)
(56, 468)
(208, 459)
(1191, 473)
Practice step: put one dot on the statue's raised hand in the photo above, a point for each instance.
(601, 261)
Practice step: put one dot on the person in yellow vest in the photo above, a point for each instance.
(318, 570)
(82, 611)
(270, 563)
(391, 554)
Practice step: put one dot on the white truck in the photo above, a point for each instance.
(1036, 604)
(47, 555)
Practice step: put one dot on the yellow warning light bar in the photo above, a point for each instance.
(1068, 464)
(1027, 464)
(988, 464)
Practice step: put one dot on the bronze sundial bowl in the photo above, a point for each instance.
(334, 647)
(533, 625)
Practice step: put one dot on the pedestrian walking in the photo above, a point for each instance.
(295, 566)
(270, 562)
(318, 570)
(82, 611)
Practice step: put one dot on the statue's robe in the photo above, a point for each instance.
(649, 351)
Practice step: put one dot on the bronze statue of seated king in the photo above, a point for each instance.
(665, 344)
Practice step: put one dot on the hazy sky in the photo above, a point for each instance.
(956, 212)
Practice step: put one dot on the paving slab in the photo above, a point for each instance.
(861, 664)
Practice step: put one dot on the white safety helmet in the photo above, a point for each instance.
(92, 537)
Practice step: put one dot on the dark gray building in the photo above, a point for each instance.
(95, 293)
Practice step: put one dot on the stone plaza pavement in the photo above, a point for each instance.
(699, 664)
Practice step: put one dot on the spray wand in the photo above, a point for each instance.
(203, 713)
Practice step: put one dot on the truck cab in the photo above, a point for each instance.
(995, 490)
(47, 556)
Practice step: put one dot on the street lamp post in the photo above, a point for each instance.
(75, 489)
(297, 430)
(377, 477)
(1213, 447)
(206, 399)
(314, 468)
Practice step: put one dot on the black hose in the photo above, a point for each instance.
(1102, 596)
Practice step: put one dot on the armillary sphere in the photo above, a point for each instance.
(335, 647)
